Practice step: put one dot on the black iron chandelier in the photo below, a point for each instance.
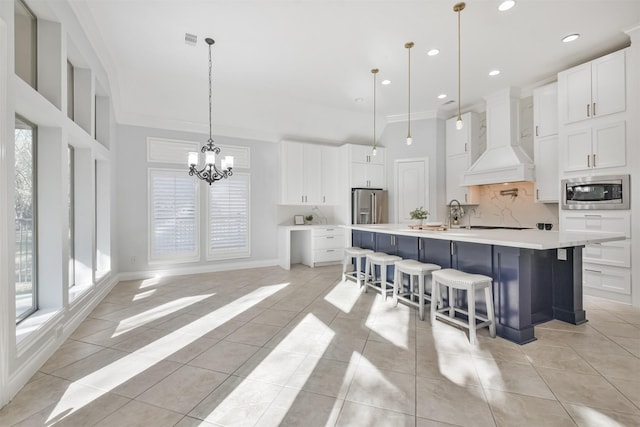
(210, 172)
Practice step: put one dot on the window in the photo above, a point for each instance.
(229, 217)
(71, 207)
(25, 219)
(70, 90)
(173, 213)
(25, 44)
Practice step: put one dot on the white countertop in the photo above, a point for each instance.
(308, 226)
(530, 239)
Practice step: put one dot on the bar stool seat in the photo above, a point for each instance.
(382, 260)
(415, 296)
(456, 279)
(357, 274)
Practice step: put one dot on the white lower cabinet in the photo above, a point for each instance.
(606, 278)
(327, 245)
(606, 267)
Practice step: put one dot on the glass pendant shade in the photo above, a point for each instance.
(459, 123)
(409, 140)
(193, 158)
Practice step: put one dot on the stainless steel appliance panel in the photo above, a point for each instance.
(596, 192)
(369, 206)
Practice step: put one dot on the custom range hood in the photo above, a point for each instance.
(504, 159)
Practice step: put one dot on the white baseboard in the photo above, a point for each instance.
(195, 269)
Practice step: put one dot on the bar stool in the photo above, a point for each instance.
(414, 269)
(455, 279)
(383, 261)
(358, 254)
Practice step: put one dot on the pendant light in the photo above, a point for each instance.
(459, 7)
(409, 45)
(210, 172)
(374, 71)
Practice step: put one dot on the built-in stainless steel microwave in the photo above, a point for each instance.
(596, 192)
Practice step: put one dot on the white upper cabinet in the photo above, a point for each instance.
(308, 176)
(545, 110)
(364, 154)
(545, 143)
(547, 183)
(463, 147)
(467, 139)
(367, 170)
(594, 89)
(595, 147)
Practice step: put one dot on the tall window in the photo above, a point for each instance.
(173, 212)
(71, 207)
(70, 90)
(25, 43)
(25, 219)
(229, 217)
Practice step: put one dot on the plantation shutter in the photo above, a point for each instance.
(174, 215)
(229, 217)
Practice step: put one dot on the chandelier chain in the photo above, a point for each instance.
(210, 93)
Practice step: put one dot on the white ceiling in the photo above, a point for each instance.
(292, 68)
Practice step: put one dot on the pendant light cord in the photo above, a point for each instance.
(374, 72)
(459, 68)
(409, 46)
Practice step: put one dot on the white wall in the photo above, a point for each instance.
(132, 216)
(428, 141)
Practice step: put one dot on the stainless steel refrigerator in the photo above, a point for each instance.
(369, 206)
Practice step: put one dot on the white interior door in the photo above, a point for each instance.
(411, 187)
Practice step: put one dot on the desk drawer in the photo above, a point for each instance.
(328, 242)
(327, 255)
(328, 231)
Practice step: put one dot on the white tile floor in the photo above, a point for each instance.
(268, 347)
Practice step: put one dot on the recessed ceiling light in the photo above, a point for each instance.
(442, 96)
(506, 5)
(433, 52)
(359, 99)
(494, 72)
(570, 38)
(386, 82)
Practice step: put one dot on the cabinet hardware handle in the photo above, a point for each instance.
(329, 229)
(588, 115)
(594, 160)
(594, 109)
(323, 199)
(465, 147)
(592, 216)
(452, 246)
(330, 250)
(593, 271)
(329, 237)
(465, 198)
(537, 194)
(419, 244)
(588, 160)
(537, 130)
(302, 199)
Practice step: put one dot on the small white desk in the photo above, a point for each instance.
(309, 244)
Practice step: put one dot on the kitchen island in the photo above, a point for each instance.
(537, 274)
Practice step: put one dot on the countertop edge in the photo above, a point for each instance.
(527, 239)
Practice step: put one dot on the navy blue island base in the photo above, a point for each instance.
(531, 286)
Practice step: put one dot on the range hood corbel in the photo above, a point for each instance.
(504, 159)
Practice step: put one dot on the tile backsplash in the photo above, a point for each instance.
(507, 210)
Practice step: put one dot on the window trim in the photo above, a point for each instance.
(34, 69)
(34, 274)
(155, 259)
(213, 256)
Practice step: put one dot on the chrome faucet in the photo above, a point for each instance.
(455, 212)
